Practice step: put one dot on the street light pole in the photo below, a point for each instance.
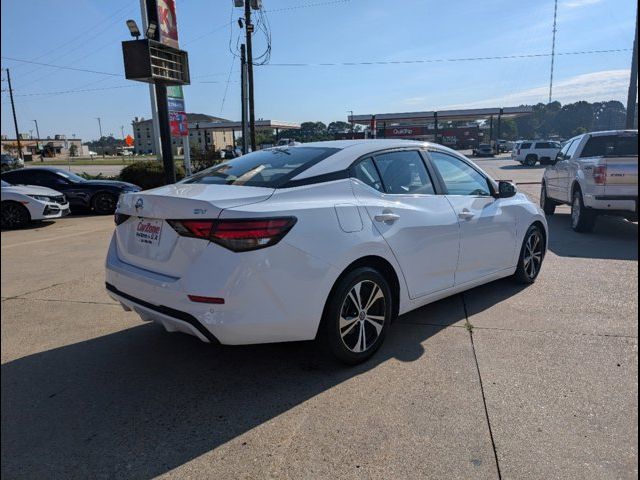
(101, 141)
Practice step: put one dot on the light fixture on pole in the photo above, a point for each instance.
(133, 28)
(151, 30)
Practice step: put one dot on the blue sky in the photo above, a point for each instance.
(86, 34)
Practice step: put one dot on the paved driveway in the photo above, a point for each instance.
(543, 386)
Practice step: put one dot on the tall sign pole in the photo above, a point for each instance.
(152, 90)
(15, 120)
(632, 97)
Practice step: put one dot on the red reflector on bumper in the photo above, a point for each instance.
(199, 299)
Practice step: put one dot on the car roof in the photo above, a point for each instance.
(351, 150)
(39, 169)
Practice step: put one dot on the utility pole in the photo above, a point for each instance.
(122, 131)
(553, 48)
(249, 33)
(633, 84)
(15, 120)
(101, 138)
(244, 99)
(38, 140)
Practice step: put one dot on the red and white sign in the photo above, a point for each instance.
(178, 123)
(168, 22)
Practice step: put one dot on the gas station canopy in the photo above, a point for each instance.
(441, 116)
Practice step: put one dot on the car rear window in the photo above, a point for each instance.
(271, 168)
(611, 145)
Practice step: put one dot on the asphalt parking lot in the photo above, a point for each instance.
(499, 382)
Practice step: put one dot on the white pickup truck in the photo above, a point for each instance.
(597, 174)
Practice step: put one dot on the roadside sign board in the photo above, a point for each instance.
(175, 104)
(129, 140)
(168, 22)
(178, 123)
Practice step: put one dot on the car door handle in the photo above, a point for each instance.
(386, 217)
(466, 214)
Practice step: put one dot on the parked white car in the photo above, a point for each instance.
(22, 204)
(328, 240)
(529, 152)
(597, 174)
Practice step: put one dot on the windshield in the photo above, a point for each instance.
(5, 184)
(71, 176)
(618, 145)
(267, 168)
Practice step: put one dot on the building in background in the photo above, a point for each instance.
(200, 138)
(33, 148)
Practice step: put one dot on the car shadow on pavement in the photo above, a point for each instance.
(140, 402)
(613, 238)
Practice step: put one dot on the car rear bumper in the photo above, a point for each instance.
(613, 203)
(270, 295)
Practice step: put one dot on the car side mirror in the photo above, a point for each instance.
(506, 189)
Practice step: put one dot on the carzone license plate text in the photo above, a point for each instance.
(148, 232)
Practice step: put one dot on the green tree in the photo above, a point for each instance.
(73, 150)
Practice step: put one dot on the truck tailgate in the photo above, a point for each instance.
(622, 175)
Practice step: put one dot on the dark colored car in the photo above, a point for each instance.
(483, 150)
(101, 196)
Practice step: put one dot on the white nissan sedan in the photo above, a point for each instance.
(328, 240)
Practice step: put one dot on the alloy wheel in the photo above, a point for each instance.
(362, 316)
(533, 254)
(105, 203)
(14, 216)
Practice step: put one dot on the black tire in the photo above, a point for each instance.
(532, 255)
(104, 203)
(547, 205)
(582, 220)
(14, 215)
(530, 160)
(349, 324)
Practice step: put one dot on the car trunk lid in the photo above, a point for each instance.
(146, 240)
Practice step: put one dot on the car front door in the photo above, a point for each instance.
(565, 169)
(487, 224)
(553, 172)
(419, 225)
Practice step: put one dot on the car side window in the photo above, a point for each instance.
(404, 172)
(543, 145)
(366, 172)
(458, 177)
(525, 146)
(563, 150)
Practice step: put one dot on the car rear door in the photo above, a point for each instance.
(419, 226)
(487, 224)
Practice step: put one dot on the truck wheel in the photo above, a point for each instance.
(548, 205)
(582, 220)
(530, 160)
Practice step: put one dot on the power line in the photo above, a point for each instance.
(73, 91)
(440, 60)
(62, 67)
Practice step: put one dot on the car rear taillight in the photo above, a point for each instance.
(600, 174)
(238, 235)
(119, 218)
